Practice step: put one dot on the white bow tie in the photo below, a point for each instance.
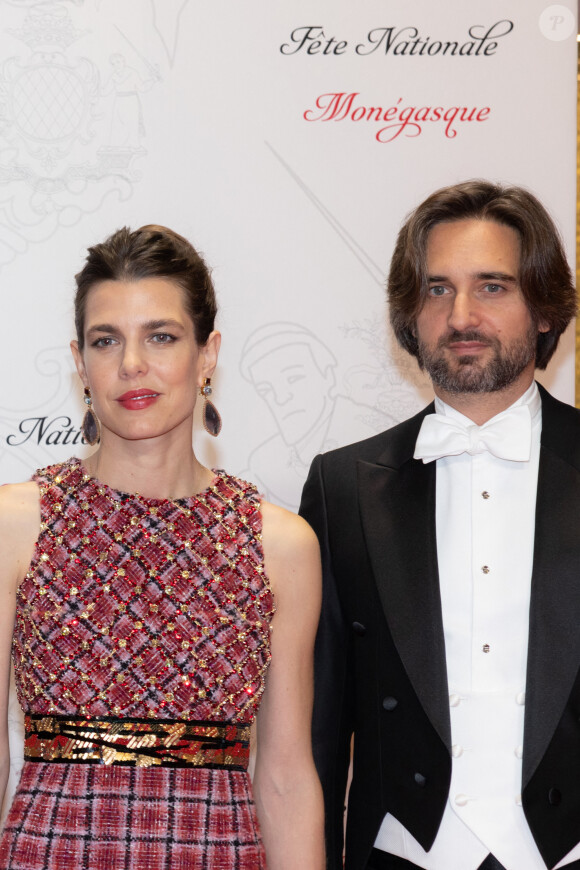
(507, 436)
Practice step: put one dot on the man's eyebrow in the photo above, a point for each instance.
(496, 276)
(482, 276)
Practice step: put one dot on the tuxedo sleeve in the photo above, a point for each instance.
(332, 716)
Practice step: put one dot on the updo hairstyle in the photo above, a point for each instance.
(149, 252)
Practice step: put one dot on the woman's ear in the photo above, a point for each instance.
(79, 362)
(209, 356)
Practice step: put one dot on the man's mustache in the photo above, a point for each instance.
(467, 335)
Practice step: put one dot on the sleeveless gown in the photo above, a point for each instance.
(150, 619)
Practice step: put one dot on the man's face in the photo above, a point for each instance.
(474, 331)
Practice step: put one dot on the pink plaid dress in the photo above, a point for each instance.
(141, 646)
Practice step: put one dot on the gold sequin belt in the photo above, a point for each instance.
(137, 742)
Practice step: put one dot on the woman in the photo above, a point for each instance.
(143, 612)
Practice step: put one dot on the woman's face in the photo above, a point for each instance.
(141, 360)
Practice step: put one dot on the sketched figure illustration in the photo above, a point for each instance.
(295, 374)
(127, 126)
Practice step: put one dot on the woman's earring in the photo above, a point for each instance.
(212, 422)
(90, 426)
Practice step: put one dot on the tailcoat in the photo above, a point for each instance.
(380, 670)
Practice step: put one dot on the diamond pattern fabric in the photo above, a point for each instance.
(146, 609)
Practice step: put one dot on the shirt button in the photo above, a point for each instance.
(519, 752)
(486, 647)
(485, 494)
(454, 700)
(457, 751)
(485, 569)
(461, 800)
(521, 698)
(519, 800)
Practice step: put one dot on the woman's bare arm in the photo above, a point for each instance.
(286, 786)
(19, 525)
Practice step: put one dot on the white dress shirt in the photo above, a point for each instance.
(485, 518)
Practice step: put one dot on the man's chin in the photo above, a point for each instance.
(466, 375)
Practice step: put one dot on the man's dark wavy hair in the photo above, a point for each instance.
(545, 277)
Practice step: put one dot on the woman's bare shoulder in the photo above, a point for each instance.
(284, 532)
(19, 503)
(19, 522)
(292, 559)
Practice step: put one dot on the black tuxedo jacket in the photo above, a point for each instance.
(380, 656)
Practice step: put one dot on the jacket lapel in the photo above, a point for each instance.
(554, 637)
(397, 502)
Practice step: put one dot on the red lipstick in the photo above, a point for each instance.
(137, 400)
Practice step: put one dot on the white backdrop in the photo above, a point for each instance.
(288, 143)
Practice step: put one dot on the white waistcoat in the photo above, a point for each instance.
(485, 515)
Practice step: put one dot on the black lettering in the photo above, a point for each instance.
(301, 36)
(36, 423)
(497, 30)
(53, 437)
(41, 430)
(386, 35)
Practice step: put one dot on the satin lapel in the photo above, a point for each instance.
(554, 639)
(398, 516)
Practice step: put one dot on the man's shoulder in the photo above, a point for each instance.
(552, 405)
(560, 427)
(399, 439)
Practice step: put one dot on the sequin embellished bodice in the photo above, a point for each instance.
(135, 607)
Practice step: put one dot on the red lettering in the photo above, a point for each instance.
(333, 107)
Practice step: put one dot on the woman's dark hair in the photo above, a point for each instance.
(150, 252)
(545, 278)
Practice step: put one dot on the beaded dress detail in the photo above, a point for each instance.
(138, 610)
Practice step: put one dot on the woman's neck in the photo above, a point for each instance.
(151, 467)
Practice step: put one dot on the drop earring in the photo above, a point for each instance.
(90, 426)
(212, 422)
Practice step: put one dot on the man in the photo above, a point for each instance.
(449, 643)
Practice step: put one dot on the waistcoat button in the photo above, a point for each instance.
(389, 703)
(359, 629)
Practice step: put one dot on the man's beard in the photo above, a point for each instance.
(468, 374)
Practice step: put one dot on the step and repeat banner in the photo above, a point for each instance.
(288, 142)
